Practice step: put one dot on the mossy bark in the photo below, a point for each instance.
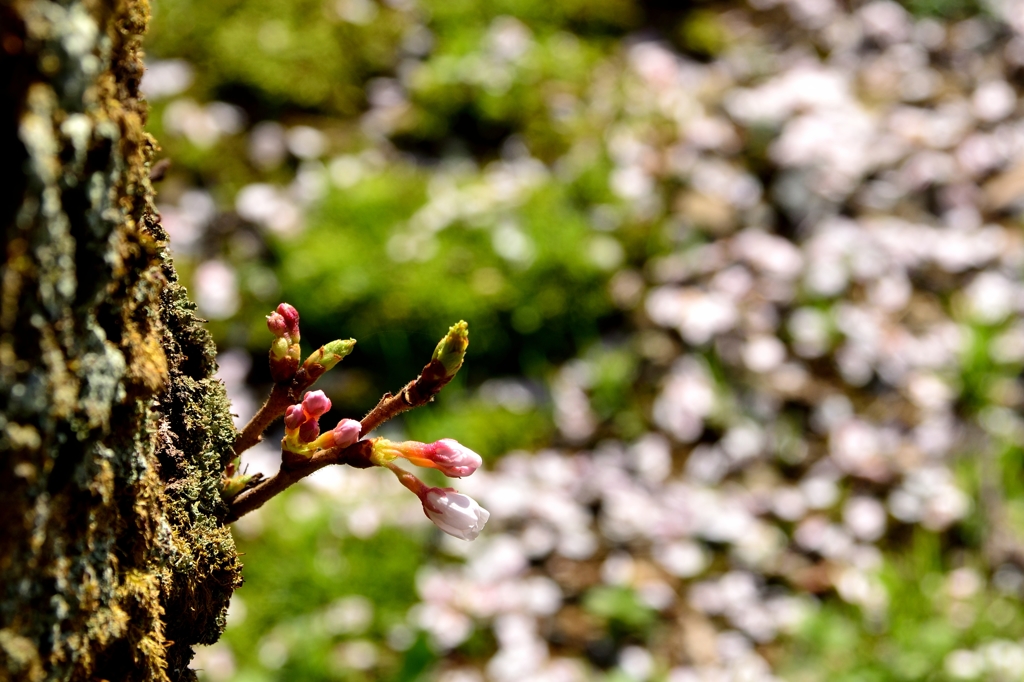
(114, 558)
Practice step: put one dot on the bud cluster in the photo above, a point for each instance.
(285, 351)
(302, 426)
(452, 512)
(284, 322)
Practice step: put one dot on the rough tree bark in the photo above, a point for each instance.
(114, 558)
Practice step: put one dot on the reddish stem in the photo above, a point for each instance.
(294, 468)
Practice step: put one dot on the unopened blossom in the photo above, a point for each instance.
(309, 430)
(284, 322)
(285, 352)
(291, 319)
(456, 514)
(277, 324)
(301, 421)
(446, 455)
(293, 417)
(315, 404)
(341, 436)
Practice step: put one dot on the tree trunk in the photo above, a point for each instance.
(114, 558)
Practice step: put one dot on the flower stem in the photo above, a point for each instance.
(409, 480)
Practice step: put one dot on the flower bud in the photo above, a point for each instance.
(341, 436)
(279, 349)
(309, 430)
(452, 348)
(456, 514)
(277, 325)
(315, 404)
(326, 357)
(291, 320)
(447, 456)
(454, 459)
(346, 432)
(293, 417)
(334, 351)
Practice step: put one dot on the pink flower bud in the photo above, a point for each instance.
(309, 430)
(277, 325)
(291, 319)
(341, 436)
(453, 458)
(456, 514)
(346, 432)
(294, 417)
(447, 456)
(315, 404)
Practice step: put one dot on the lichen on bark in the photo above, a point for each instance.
(114, 557)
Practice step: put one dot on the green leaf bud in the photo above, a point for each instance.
(452, 348)
(334, 351)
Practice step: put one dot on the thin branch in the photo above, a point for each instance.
(417, 392)
(159, 170)
(277, 402)
(294, 468)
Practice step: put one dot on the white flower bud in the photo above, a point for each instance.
(456, 514)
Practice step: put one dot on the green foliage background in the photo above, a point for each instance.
(298, 62)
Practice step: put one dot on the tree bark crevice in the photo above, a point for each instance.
(114, 556)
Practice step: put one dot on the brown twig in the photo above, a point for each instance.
(294, 467)
(277, 402)
(417, 392)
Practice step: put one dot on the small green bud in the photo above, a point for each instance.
(279, 348)
(326, 357)
(452, 348)
(231, 487)
(334, 351)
